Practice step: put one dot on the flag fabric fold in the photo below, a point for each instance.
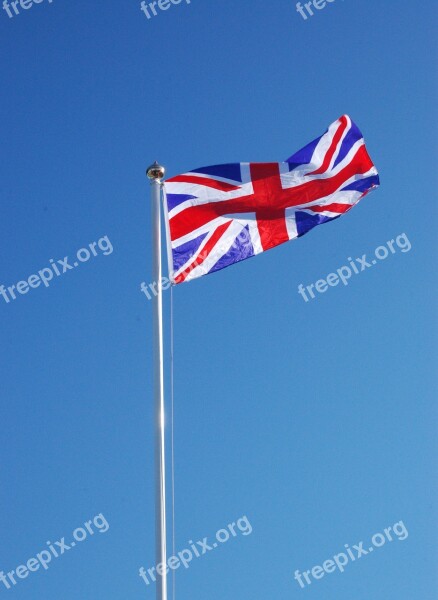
(219, 215)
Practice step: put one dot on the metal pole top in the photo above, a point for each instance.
(155, 171)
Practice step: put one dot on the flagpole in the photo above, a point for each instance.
(155, 173)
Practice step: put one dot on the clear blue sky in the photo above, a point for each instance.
(316, 420)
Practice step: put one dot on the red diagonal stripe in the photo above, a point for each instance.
(217, 185)
(330, 152)
(339, 208)
(204, 252)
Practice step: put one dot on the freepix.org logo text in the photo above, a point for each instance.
(355, 267)
(339, 561)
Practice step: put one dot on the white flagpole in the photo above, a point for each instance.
(155, 173)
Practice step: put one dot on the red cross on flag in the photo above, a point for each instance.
(219, 215)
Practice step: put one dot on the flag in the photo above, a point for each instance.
(219, 215)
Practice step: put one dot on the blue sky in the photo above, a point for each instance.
(315, 420)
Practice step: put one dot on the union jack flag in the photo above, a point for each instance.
(219, 215)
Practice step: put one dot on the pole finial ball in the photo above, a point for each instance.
(155, 171)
